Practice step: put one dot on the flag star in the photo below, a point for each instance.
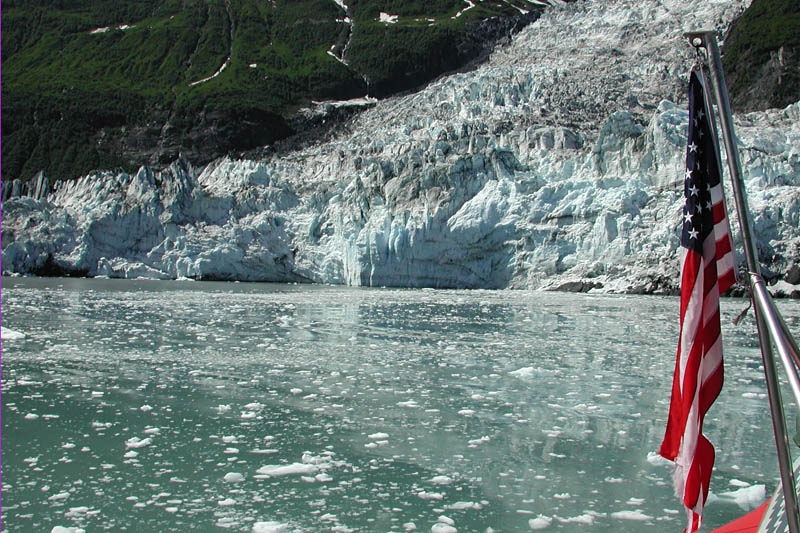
(700, 114)
(695, 122)
(693, 234)
(700, 133)
(688, 217)
(693, 147)
(693, 189)
(688, 174)
(708, 205)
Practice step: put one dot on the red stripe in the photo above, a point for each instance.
(727, 280)
(724, 246)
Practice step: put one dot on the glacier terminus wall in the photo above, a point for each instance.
(557, 164)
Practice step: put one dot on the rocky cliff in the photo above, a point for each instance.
(557, 164)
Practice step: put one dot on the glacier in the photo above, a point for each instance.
(557, 164)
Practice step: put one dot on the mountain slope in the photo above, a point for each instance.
(761, 56)
(104, 83)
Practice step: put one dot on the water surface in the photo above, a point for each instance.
(177, 406)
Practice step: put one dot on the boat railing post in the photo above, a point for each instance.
(779, 337)
(708, 40)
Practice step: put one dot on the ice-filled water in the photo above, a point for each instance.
(178, 406)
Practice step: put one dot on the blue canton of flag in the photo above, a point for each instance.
(702, 175)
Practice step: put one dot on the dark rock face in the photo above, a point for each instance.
(761, 55)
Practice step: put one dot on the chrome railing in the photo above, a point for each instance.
(771, 326)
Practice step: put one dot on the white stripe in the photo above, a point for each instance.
(691, 321)
(710, 304)
(721, 229)
(716, 194)
(725, 263)
(711, 361)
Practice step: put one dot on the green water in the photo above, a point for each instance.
(180, 406)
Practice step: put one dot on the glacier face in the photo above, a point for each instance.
(557, 164)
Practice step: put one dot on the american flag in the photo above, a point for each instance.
(707, 270)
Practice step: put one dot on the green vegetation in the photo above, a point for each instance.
(119, 83)
(766, 27)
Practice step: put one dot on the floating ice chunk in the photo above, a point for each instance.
(409, 526)
(62, 529)
(656, 460)
(295, 390)
(227, 502)
(270, 527)
(540, 522)
(631, 515)
(247, 415)
(136, 442)
(425, 495)
(223, 408)
(379, 436)
(233, 477)
(475, 442)
(586, 519)
(255, 406)
(467, 412)
(529, 372)
(146, 408)
(386, 18)
(411, 404)
(562, 496)
(739, 483)
(444, 525)
(31, 416)
(287, 470)
(323, 461)
(8, 334)
(463, 506)
(131, 454)
(746, 498)
(441, 480)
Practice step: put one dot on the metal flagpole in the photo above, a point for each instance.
(708, 39)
